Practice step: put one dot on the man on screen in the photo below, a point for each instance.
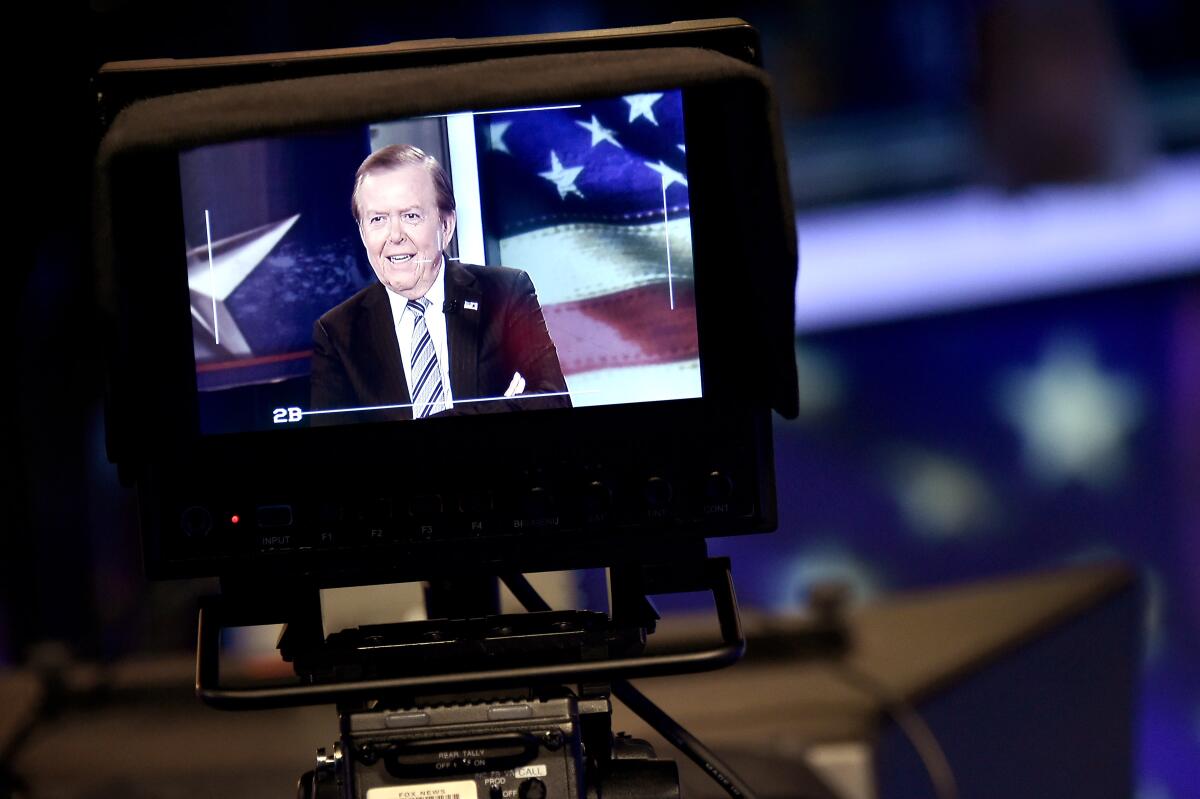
(432, 334)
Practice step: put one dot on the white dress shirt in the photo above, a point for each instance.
(435, 320)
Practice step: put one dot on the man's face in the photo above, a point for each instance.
(402, 230)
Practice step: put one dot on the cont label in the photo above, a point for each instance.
(461, 789)
(529, 771)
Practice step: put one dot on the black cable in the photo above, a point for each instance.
(640, 704)
(911, 724)
(681, 739)
(906, 717)
(827, 640)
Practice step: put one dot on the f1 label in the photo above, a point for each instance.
(461, 789)
(524, 772)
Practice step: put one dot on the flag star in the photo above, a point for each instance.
(1073, 417)
(682, 148)
(599, 132)
(669, 175)
(642, 105)
(496, 132)
(562, 178)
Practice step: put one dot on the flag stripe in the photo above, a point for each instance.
(626, 328)
(603, 258)
(243, 363)
(645, 383)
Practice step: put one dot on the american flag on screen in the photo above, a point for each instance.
(592, 201)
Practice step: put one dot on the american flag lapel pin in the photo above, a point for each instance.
(470, 306)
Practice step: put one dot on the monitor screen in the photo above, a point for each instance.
(474, 262)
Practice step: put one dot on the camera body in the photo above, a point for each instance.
(516, 748)
(235, 477)
(482, 749)
(664, 286)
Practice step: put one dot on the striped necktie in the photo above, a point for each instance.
(428, 396)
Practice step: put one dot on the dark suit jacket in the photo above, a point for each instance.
(356, 359)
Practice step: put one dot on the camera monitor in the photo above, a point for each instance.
(554, 245)
(389, 314)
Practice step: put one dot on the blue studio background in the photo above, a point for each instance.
(998, 332)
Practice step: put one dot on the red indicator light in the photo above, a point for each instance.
(234, 519)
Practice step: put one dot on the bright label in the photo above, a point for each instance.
(462, 789)
(529, 771)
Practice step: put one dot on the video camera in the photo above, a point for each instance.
(611, 247)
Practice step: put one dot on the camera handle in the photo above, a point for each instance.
(629, 586)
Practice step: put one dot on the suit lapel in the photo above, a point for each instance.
(462, 331)
(385, 351)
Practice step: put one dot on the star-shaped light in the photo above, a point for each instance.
(599, 132)
(562, 178)
(1074, 417)
(642, 105)
(940, 496)
(211, 282)
(669, 175)
(496, 132)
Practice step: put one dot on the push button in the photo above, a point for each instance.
(718, 487)
(716, 491)
(330, 512)
(476, 503)
(532, 789)
(657, 493)
(407, 720)
(597, 498)
(540, 502)
(196, 522)
(274, 515)
(425, 505)
(377, 511)
(509, 712)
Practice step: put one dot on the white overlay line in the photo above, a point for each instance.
(503, 111)
(667, 233)
(456, 402)
(211, 277)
